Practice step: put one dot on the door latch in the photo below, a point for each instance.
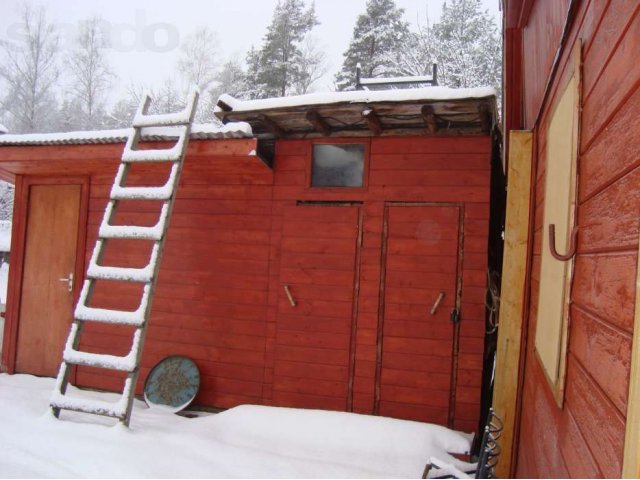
(455, 315)
(69, 281)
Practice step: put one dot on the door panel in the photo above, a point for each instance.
(421, 261)
(46, 304)
(313, 361)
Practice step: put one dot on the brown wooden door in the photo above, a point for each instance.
(46, 304)
(313, 360)
(421, 261)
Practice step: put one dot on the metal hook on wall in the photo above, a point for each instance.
(572, 245)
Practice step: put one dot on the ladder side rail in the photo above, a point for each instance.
(133, 376)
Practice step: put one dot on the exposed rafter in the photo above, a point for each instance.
(318, 122)
(225, 107)
(373, 121)
(429, 117)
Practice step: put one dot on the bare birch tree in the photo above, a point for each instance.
(198, 60)
(91, 76)
(30, 71)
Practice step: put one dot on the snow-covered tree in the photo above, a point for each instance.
(29, 71)
(275, 69)
(198, 65)
(6, 200)
(379, 35)
(419, 54)
(311, 66)
(469, 47)
(91, 77)
(164, 99)
(198, 60)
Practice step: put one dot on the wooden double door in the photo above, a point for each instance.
(317, 323)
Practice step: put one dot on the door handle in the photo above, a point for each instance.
(289, 296)
(69, 281)
(436, 304)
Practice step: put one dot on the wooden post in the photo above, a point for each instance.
(631, 458)
(514, 271)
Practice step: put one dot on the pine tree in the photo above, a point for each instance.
(231, 80)
(468, 46)
(379, 34)
(275, 69)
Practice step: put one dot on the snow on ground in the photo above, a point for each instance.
(247, 441)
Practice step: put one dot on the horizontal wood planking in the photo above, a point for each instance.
(210, 303)
(590, 429)
(220, 291)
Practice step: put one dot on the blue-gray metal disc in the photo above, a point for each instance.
(172, 384)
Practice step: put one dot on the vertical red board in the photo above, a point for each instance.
(314, 326)
(420, 290)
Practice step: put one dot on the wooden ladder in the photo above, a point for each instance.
(174, 125)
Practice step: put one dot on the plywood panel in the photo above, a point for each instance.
(559, 205)
(514, 272)
(631, 458)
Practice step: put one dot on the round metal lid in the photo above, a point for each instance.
(172, 384)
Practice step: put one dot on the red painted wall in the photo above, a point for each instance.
(585, 438)
(238, 234)
(409, 169)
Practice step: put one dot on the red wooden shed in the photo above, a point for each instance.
(571, 396)
(334, 255)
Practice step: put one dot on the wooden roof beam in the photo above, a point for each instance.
(319, 123)
(429, 117)
(373, 121)
(224, 106)
(272, 126)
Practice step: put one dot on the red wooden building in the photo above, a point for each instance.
(572, 85)
(304, 260)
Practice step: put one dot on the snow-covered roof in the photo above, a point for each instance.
(410, 111)
(199, 131)
(427, 94)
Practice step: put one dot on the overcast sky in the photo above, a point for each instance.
(146, 34)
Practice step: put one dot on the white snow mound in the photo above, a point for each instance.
(243, 442)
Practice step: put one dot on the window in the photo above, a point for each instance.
(559, 212)
(337, 165)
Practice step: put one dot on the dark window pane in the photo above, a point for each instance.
(339, 165)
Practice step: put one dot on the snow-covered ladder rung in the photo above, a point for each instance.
(183, 117)
(124, 274)
(172, 154)
(135, 232)
(125, 363)
(161, 192)
(103, 315)
(96, 407)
